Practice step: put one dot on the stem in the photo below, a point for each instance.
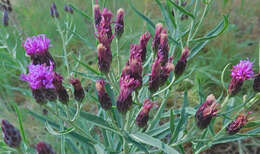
(192, 23)
(201, 19)
(125, 145)
(118, 58)
(225, 102)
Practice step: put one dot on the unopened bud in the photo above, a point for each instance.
(104, 58)
(256, 85)
(79, 93)
(103, 97)
(119, 23)
(182, 62)
(11, 134)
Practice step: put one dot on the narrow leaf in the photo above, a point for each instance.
(172, 122)
(81, 12)
(183, 10)
(54, 132)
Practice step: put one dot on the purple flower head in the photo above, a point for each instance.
(243, 70)
(166, 70)
(39, 76)
(235, 126)
(135, 51)
(44, 148)
(60, 89)
(206, 111)
(103, 97)
(143, 116)
(79, 93)
(11, 135)
(182, 62)
(127, 85)
(154, 80)
(163, 49)
(156, 38)
(143, 43)
(97, 15)
(119, 23)
(36, 44)
(104, 58)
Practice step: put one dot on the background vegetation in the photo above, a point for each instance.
(31, 17)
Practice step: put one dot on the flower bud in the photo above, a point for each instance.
(240, 73)
(97, 15)
(166, 70)
(143, 116)
(119, 23)
(103, 97)
(124, 100)
(5, 18)
(104, 58)
(61, 91)
(44, 148)
(53, 11)
(237, 124)
(143, 43)
(163, 49)
(156, 38)
(154, 80)
(256, 85)
(11, 134)
(182, 62)
(79, 93)
(206, 112)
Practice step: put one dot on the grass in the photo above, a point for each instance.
(32, 17)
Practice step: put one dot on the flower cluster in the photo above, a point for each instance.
(240, 72)
(105, 35)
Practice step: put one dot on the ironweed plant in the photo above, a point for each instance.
(130, 96)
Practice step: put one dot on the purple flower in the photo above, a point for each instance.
(163, 49)
(97, 15)
(166, 70)
(60, 89)
(124, 100)
(243, 70)
(104, 58)
(240, 73)
(154, 80)
(36, 44)
(44, 148)
(103, 97)
(11, 134)
(156, 38)
(143, 116)
(119, 23)
(79, 93)
(53, 11)
(182, 62)
(206, 112)
(143, 43)
(39, 76)
(237, 124)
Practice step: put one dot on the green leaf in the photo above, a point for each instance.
(19, 116)
(201, 44)
(80, 12)
(139, 145)
(146, 139)
(183, 10)
(215, 34)
(89, 76)
(222, 76)
(182, 121)
(252, 124)
(172, 122)
(141, 15)
(54, 132)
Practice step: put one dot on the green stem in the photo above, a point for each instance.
(118, 58)
(192, 23)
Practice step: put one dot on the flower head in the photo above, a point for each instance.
(156, 38)
(143, 43)
(243, 70)
(39, 76)
(97, 15)
(166, 70)
(79, 93)
(103, 97)
(237, 124)
(154, 80)
(104, 58)
(44, 148)
(36, 44)
(206, 111)
(163, 49)
(119, 23)
(60, 89)
(182, 62)
(143, 116)
(11, 134)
